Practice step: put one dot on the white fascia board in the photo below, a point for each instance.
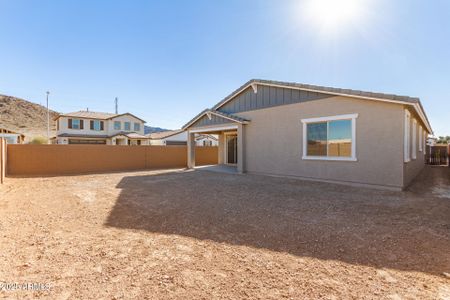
(210, 129)
(214, 113)
(228, 118)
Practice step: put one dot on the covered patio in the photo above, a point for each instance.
(231, 131)
(129, 138)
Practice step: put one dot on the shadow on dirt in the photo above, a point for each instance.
(399, 230)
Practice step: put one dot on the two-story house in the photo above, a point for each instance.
(88, 127)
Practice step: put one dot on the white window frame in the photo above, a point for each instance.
(407, 138)
(424, 141)
(414, 139)
(137, 125)
(119, 127)
(305, 122)
(420, 138)
(125, 126)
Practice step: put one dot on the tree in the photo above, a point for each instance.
(443, 140)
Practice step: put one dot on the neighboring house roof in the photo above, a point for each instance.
(206, 136)
(411, 101)
(83, 136)
(95, 115)
(164, 134)
(209, 112)
(131, 135)
(7, 131)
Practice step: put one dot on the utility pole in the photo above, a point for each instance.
(117, 105)
(48, 121)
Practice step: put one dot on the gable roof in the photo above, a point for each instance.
(7, 131)
(221, 114)
(164, 134)
(131, 135)
(206, 136)
(95, 115)
(406, 100)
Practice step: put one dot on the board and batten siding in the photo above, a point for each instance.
(268, 96)
(215, 120)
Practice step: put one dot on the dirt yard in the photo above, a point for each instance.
(205, 235)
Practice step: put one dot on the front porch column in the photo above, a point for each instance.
(191, 150)
(221, 158)
(240, 149)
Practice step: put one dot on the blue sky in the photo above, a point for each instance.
(168, 60)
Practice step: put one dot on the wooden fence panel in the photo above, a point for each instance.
(437, 155)
(53, 160)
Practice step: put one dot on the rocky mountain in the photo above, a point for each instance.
(149, 129)
(25, 117)
(30, 119)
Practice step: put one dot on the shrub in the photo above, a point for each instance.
(39, 140)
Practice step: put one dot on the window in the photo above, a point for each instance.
(127, 126)
(137, 127)
(420, 139)
(424, 141)
(330, 138)
(96, 125)
(117, 125)
(406, 146)
(75, 124)
(414, 139)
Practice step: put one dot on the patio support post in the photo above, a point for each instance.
(191, 150)
(221, 152)
(240, 149)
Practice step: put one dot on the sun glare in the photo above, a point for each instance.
(333, 15)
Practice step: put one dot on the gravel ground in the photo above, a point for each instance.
(205, 235)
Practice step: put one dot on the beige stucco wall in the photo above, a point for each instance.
(412, 168)
(52, 160)
(273, 141)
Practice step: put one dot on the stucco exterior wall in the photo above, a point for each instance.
(51, 160)
(274, 137)
(412, 168)
(122, 119)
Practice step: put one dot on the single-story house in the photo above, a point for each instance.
(179, 137)
(207, 140)
(12, 137)
(318, 133)
(168, 138)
